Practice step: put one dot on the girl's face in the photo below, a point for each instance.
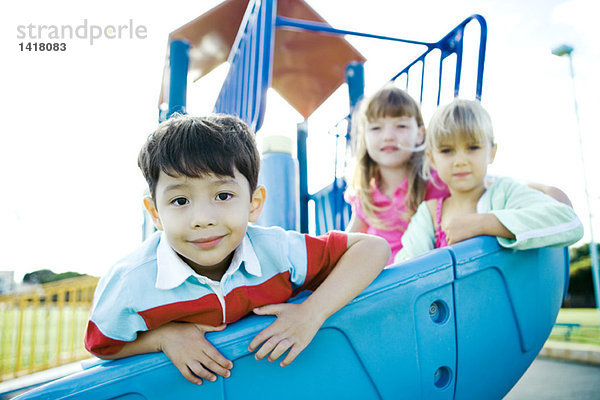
(462, 164)
(385, 137)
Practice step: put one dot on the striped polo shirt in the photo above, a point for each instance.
(153, 286)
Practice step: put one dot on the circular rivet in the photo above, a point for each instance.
(439, 312)
(442, 377)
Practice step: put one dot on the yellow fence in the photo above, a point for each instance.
(44, 327)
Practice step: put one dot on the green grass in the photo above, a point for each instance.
(583, 316)
(40, 337)
(587, 318)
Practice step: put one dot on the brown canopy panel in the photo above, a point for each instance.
(307, 67)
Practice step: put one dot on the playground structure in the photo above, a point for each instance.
(462, 322)
(304, 60)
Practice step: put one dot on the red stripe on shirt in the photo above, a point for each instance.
(98, 344)
(323, 253)
(205, 310)
(243, 299)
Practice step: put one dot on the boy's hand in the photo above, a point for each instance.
(193, 355)
(293, 329)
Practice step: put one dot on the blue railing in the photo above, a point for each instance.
(245, 88)
(331, 212)
(452, 43)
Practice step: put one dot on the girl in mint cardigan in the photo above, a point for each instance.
(460, 146)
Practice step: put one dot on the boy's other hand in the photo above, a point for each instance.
(293, 330)
(193, 355)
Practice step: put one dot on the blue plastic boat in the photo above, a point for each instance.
(463, 322)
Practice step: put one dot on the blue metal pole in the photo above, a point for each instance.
(566, 50)
(593, 248)
(458, 72)
(481, 58)
(355, 78)
(302, 134)
(284, 22)
(178, 63)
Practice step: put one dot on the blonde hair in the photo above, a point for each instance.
(461, 119)
(393, 102)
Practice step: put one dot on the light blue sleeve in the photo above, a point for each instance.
(113, 310)
(279, 251)
(419, 237)
(295, 256)
(536, 220)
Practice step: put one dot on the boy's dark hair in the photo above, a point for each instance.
(196, 146)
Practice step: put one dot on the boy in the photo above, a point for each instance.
(208, 267)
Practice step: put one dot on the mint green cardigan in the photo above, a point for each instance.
(536, 220)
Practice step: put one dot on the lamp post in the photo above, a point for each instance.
(560, 51)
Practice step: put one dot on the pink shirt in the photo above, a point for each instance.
(397, 210)
(440, 236)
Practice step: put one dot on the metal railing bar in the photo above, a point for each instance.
(291, 23)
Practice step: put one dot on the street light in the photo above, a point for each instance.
(563, 50)
(560, 51)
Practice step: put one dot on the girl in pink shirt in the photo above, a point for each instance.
(387, 185)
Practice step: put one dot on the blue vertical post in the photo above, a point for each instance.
(302, 134)
(179, 60)
(458, 72)
(279, 174)
(481, 57)
(355, 78)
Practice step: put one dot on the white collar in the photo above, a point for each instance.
(172, 271)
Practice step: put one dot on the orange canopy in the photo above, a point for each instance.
(307, 66)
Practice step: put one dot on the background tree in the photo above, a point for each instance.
(581, 286)
(46, 275)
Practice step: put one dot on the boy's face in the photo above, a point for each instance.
(205, 219)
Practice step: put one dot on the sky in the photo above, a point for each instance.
(74, 120)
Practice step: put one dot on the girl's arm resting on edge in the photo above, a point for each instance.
(521, 217)
(464, 227)
(536, 220)
(185, 345)
(297, 324)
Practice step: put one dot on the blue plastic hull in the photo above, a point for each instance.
(463, 322)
